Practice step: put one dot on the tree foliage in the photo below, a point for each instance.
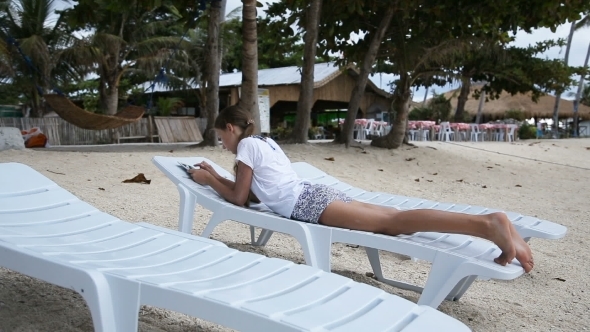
(133, 37)
(275, 48)
(26, 24)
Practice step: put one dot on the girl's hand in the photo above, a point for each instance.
(206, 167)
(201, 176)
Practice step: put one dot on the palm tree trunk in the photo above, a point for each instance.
(36, 109)
(482, 99)
(305, 102)
(112, 99)
(579, 93)
(558, 96)
(358, 91)
(249, 94)
(212, 76)
(425, 97)
(401, 98)
(463, 96)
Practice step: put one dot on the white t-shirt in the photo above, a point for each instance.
(274, 182)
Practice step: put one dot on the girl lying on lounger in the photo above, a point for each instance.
(264, 170)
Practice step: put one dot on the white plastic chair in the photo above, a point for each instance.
(321, 133)
(476, 133)
(499, 134)
(377, 129)
(446, 132)
(117, 266)
(511, 129)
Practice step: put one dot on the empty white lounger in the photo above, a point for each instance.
(457, 259)
(48, 233)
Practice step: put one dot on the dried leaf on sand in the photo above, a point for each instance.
(139, 178)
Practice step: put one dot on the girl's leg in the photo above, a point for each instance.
(494, 227)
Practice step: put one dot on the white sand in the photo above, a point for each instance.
(534, 302)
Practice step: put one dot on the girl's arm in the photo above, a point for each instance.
(229, 183)
(234, 192)
(225, 181)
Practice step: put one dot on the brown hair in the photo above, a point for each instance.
(236, 116)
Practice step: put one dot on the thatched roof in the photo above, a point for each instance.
(496, 108)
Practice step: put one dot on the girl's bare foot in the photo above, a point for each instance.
(523, 252)
(500, 234)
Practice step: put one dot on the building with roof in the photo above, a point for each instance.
(332, 90)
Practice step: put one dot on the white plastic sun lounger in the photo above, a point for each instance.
(457, 259)
(527, 226)
(48, 233)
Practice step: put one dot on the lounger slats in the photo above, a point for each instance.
(108, 231)
(218, 267)
(71, 227)
(337, 307)
(382, 317)
(210, 280)
(44, 200)
(309, 294)
(183, 258)
(61, 213)
(284, 281)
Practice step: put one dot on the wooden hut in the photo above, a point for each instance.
(496, 109)
(332, 90)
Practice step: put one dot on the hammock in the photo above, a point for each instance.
(92, 121)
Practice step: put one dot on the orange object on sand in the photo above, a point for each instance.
(36, 141)
(34, 138)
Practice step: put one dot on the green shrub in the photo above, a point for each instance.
(421, 113)
(527, 131)
(168, 105)
(441, 107)
(281, 133)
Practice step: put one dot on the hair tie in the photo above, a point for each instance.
(250, 122)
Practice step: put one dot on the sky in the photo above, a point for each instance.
(577, 56)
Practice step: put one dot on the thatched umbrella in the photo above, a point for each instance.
(496, 109)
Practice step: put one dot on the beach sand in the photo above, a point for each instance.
(549, 179)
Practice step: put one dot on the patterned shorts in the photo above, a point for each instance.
(313, 200)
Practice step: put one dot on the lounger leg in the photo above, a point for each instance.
(375, 261)
(373, 255)
(263, 238)
(217, 218)
(445, 275)
(187, 210)
(125, 304)
(93, 286)
(317, 247)
(461, 288)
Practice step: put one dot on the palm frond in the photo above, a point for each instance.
(584, 22)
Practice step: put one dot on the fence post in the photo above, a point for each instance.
(150, 129)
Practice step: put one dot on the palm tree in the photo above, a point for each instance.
(361, 82)
(28, 23)
(132, 37)
(305, 101)
(249, 95)
(558, 95)
(6, 71)
(583, 23)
